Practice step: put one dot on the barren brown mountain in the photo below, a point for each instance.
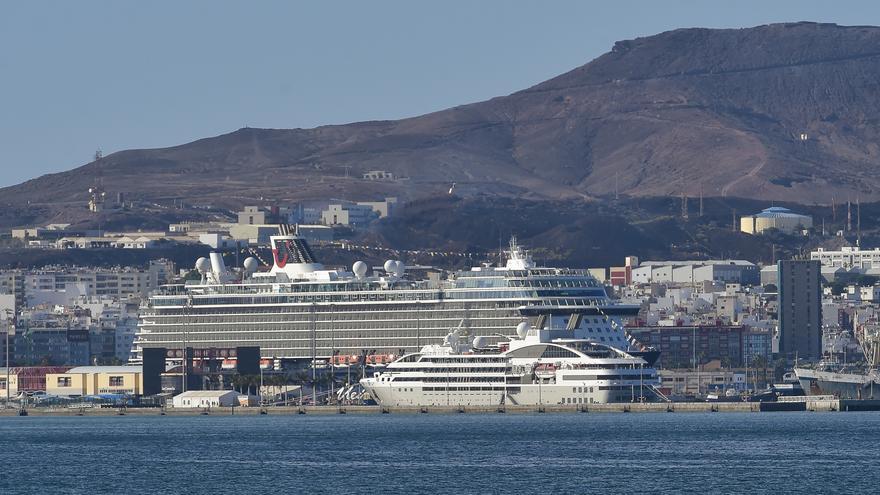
(784, 111)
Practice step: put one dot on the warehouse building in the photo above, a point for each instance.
(96, 380)
(695, 272)
(206, 398)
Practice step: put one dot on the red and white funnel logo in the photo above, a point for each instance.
(282, 251)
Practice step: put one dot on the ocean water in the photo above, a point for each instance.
(434, 453)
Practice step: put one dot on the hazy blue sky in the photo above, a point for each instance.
(79, 76)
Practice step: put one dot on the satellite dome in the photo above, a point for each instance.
(250, 265)
(203, 265)
(479, 341)
(523, 329)
(359, 268)
(389, 266)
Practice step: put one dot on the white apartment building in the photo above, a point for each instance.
(848, 258)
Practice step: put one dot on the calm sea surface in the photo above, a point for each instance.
(433, 453)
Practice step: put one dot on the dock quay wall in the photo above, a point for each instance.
(823, 405)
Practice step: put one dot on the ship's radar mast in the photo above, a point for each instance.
(517, 257)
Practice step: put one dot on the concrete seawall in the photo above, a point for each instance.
(670, 407)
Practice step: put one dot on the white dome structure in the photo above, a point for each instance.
(359, 268)
(203, 265)
(250, 265)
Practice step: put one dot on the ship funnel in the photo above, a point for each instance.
(292, 255)
(218, 273)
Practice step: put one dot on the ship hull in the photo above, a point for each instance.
(520, 395)
(841, 385)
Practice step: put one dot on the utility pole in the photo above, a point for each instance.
(684, 205)
(733, 225)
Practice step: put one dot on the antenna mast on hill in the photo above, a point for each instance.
(701, 199)
(848, 215)
(616, 188)
(96, 192)
(858, 221)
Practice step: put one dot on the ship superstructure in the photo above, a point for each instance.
(300, 310)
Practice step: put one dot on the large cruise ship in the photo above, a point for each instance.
(535, 367)
(298, 310)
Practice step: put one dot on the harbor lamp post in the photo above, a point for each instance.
(9, 312)
(187, 309)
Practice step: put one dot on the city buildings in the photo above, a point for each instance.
(74, 316)
(734, 346)
(59, 285)
(800, 309)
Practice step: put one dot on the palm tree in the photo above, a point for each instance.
(278, 382)
(302, 378)
(726, 362)
(237, 382)
(760, 362)
(779, 367)
(329, 380)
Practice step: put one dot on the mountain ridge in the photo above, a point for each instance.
(779, 111)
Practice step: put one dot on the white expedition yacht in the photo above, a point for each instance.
(535, 367)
